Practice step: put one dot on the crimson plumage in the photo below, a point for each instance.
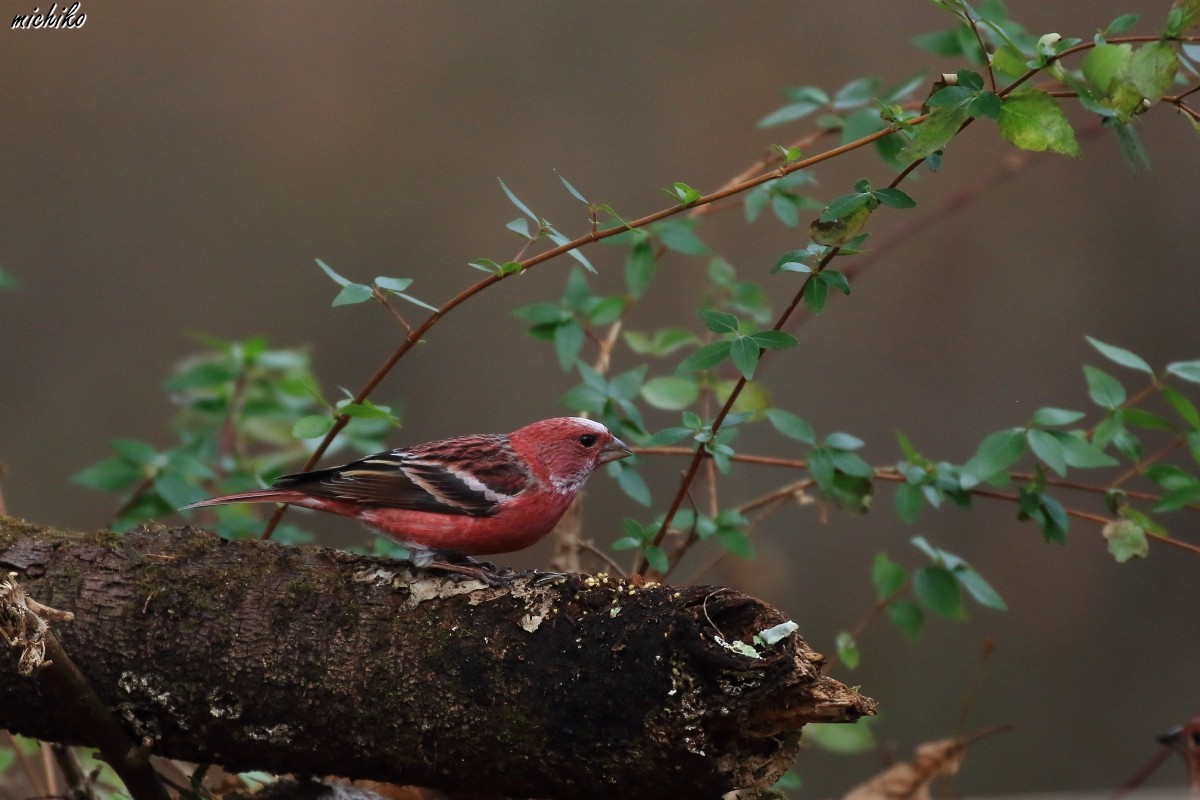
(469, 495)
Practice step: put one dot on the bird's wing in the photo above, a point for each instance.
(469, 475)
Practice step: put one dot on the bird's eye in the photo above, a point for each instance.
(588, 439)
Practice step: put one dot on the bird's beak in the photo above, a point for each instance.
(614, 451)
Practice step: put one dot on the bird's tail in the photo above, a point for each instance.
(258, 496)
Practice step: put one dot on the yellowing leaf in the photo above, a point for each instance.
(1033, 120)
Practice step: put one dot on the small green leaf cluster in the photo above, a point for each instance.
(541, 229)
(1057, 447)
(639, 536)
(941, 586)
(567, 322)
(1116, 81)
(857, 109)
(843, 219)
(7, 280)
(352, 293)
(245, 411)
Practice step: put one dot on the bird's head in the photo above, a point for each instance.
(568, 449)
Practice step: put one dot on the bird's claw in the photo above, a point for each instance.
(487, 573)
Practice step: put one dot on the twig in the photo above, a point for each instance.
(608, 560)
(31, 776)
(877, 608)
(79, 785)
(341, 420)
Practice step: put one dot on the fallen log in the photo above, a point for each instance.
(310, 661)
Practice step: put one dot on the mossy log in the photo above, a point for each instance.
(259, 656)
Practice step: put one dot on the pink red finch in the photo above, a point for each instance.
(466, 496)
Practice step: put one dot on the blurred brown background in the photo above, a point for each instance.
(174, 167)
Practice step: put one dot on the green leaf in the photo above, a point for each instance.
(907, 617)
(940, 43)
(678, 235)
(661, 342)
(847, 649)
(856, 93)
(793, 261)
(568, 341)
(110, 475)
(744, 354)
(574, 253)
(639, 268)
(887, 575)
(176, 491)
(791, 426)
(607, 310)
(7, 281)
(935, 132)
(631, 482)
(774, 340)
(909, 500)
(980, 590)
(1105, 390)
(1183, 406)
(1033, 120)
(520, 226)
(846, 205)
(393, 284)
(1187, 370)
(706, 357)
(134, 451)
(1119, 355)
(336, 278)
(937, 588)
(1052, 417)
(805, 100)
(996, 453)
(1126, 539)
(1186, 14)
(656, 558)
(1121, 24)
(1053, 522)
(574, 192)
(353, 293)
(894, 198)
(1083, 454)
(1008, 60)
(1179, 498)
(671, 392)
(1104, 65)
(735, 542)
(205, 375)
(311, 427)
(841, 228)
(1152, 70)
(815, 295)
(970, 79)
(512, 198)
(834, 280)
(843, 441)
(841, 738)
(1046, 446)
(719, 321)
(986, 104)
(1146, 419)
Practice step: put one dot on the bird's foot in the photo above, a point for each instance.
(466, 568)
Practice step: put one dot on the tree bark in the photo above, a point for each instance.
(258, 656)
